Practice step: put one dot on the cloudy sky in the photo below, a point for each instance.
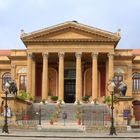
(32, 15)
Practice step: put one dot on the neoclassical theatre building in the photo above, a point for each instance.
(70, 60)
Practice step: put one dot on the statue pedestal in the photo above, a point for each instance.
(124, 110)
(10, 101)
(15, 105)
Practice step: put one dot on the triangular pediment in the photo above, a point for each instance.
(70, 31)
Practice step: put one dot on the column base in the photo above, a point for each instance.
(95, 103)
(44, 102)
(39, 127)
(60, 102)
(77, 102)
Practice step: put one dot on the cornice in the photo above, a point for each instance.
(17, 57)
(72, 28)
(68, 40)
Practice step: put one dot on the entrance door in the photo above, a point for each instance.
(69, 86)
(69, 90)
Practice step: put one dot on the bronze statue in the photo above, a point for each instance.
(13, 87)
(122, 88)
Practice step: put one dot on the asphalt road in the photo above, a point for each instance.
(23, 138)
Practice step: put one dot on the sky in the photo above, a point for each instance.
(32, 15)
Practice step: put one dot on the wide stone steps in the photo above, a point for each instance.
(70, 110)
(61, 127)
(90, 114)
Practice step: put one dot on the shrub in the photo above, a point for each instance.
(85, 98)
(107, 100)
(31, 98)
(22, 95)
(54, 98)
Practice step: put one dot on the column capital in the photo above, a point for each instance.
(94, 55)
(110, 55)
(78, 54)
(61, 54)
(29, 55)
(45, 54)
(13, 66)
(129, 67)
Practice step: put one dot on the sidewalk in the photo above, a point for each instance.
(65, 134)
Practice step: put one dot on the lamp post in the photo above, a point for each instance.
(39, 115)
(111, 86)
(5, 127)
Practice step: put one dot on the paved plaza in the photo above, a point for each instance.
(39, 135)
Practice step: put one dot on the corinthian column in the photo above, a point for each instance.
(94, 76)
(61, 76)
(110, 66)
(29, 73)
(45, 76)
(110, 69)
(78, 77)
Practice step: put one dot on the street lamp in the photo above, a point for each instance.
(39, 115)
(111, 86)
(5, 127)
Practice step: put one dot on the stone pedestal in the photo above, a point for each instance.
(10, 101)
(15, 105)
(123, 112)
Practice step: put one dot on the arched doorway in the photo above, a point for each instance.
(136, 109)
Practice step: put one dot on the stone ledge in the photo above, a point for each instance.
(125, 98)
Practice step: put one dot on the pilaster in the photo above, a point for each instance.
(13, 71)
(129, 81)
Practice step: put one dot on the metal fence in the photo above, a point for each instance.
(97, 115)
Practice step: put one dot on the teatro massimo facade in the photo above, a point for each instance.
(70, 60)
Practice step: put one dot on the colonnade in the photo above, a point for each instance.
(61, 55)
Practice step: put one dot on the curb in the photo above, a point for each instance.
(66, 136)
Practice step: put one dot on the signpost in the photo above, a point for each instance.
(64, 117)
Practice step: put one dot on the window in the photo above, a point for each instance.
(5, 78)
(136, 82)
(70, 73)
(117, 79)
(22, 84)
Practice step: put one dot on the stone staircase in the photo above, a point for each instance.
(70, 110)
(60, 127)
(49, 111)
(94, 114)
(90, 114)
(92, 117)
